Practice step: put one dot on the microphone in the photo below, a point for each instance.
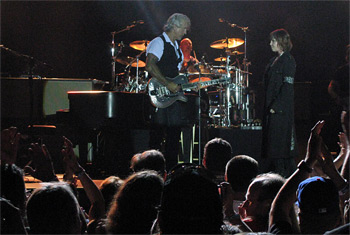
(222, 20)
(138, 22)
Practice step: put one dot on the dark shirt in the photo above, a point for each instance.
(281, 227)
(345, 229)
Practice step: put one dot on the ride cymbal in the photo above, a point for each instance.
(227, 43)
(139, 45)
(126, 60)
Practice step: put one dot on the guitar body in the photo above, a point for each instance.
(161, 97)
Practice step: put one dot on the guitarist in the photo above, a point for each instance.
(164, 60)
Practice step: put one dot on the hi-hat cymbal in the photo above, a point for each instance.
(227, 43)
(139, 45)
(126, 60)
(141, 64)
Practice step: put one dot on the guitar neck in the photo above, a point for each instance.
(203, 84)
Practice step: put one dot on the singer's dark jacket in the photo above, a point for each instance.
(278, 129)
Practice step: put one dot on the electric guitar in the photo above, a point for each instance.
(161, 97)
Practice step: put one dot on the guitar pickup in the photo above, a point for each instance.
(154, 92)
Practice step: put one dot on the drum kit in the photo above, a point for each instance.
(229, 103)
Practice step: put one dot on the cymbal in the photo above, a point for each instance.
(126, 60)
(234, 52)
(139, 45)
(221, 58)
(229, 43)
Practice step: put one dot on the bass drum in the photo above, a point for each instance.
(121, 80)
(219, 101)
(137, 85)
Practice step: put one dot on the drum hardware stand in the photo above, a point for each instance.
(242, 80)
(137, 71)
(114, 78)
(130, 82)
(228, 106)
(120, 47)
(246, 75)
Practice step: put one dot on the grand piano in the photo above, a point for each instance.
(98, 109)
(118, 124)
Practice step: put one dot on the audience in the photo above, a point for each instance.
(11, 219)
(317, 197)
(190, 203)
(217, 152)
(54, 209)
(194, 199)
(9, 145)
(254, 211)
(149, 160)
(12, 186)
(134, 207)
(109, 187)
(240, 171)
(339, 160)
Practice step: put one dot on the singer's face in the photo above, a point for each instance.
(274, 46)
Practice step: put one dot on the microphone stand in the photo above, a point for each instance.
(32, 62)
(246, 72)
(245, 68)
(199, 122)
(120, 47)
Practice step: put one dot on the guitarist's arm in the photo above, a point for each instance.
(154, 70)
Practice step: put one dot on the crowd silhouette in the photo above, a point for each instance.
(224, 195)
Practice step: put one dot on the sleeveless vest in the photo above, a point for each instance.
(169, 61)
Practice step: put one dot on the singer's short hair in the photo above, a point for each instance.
(283, 39)
(177, 19)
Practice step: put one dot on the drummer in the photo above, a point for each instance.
(190, 63)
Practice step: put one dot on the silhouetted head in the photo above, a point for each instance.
(190, 202)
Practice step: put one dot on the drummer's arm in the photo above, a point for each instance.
(153, 69)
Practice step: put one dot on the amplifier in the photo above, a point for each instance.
(48, 94)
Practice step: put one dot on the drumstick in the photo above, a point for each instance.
(194, 53)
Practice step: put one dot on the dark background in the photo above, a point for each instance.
(74, 37)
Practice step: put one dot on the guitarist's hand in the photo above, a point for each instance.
(197, 88)
(173, 87)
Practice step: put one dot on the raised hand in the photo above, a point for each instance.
(9, 145)
(326, 160)
(343, 141)
(41, 162)
(314, 144)
(69, 158)
(227, 197)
